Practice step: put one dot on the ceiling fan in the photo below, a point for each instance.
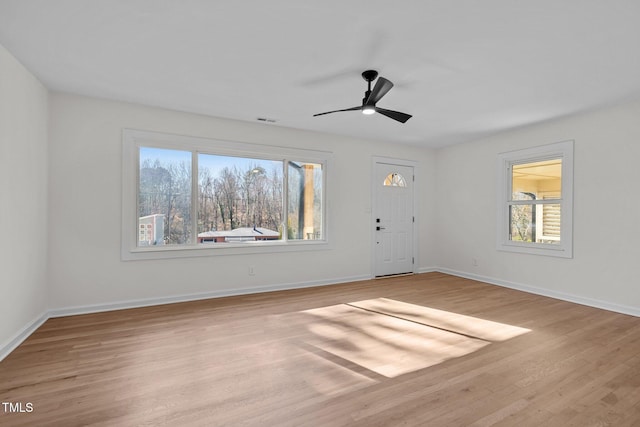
(371, 97)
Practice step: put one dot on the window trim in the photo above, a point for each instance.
(133, 139)
(563, 150)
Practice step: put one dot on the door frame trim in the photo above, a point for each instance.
(416, 202)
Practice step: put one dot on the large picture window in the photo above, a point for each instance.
(535, 206)
(194, 196)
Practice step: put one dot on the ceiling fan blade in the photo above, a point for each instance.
(395, 115)
(338, 111)
(379, 90)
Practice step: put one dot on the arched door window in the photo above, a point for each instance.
(395, 180)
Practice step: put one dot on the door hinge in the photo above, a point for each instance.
(413, 219)
(413, 260)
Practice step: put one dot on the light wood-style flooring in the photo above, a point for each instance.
(421, 350)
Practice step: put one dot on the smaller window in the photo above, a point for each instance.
(394, 180)
(536, 200)
(535, 193)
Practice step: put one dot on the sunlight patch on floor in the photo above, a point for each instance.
(454, 322)
(392, 338)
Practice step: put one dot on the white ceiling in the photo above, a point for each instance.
(463, 68)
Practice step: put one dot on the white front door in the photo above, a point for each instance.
(393, 219)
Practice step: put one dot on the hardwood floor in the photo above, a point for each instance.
(423, 350)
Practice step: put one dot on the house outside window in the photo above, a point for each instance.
(536, 200)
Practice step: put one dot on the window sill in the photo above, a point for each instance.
(536, 249)
(220, 249)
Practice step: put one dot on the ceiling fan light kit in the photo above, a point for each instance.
(367, 109)
(371, 98)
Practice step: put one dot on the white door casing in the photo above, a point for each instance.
(393, 216)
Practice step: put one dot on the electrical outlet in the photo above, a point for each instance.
(474, 262)
(252, 270)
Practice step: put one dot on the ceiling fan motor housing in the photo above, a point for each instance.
(370, 75)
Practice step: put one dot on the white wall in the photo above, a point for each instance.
(604, 270)
(23, 201)
(85, 209)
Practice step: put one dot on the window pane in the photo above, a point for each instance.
(394, 180)
(164, 197)
(536, 179)
(239, 199)
(535, 223)
(305, 201)
(521, 225)
(550, 224)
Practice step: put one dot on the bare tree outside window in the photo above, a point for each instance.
(237, 192)
(165, 189)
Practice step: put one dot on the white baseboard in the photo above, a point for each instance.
(22, 335)
(604, 305)
(96, 308)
